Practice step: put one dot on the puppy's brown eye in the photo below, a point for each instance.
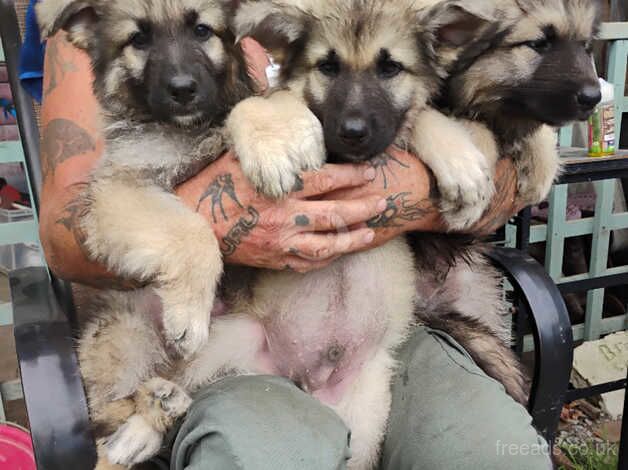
(140, 40)
(329, 68)
(202, 32)
(389, 68)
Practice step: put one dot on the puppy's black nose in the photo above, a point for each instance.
(589, 96)
(182, 89)
(354, 130)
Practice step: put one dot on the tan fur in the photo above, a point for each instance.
(132, 222)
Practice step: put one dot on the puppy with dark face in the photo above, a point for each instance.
(368, 85)
(539, 74)
(166, 75)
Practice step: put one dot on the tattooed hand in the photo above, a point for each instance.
(407, 186)
(296, 233)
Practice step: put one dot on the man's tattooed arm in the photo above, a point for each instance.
(239, 231)
(57, 65)
(61, 140)
(401, 209)
(221, 193)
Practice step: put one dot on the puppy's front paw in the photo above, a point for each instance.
(465, 185)
(135, 442)
(186, 329)
(538, 166)
(275, 139)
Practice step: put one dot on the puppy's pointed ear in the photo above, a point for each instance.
(274, 25)
(77, 17)
(457, 23)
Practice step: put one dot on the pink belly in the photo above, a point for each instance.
(323, 329)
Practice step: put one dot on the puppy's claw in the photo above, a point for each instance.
(173, 400)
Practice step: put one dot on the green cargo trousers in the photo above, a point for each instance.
(446, 414)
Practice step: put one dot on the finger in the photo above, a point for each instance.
(325, 216)
(322, 247)
(334, 177)
(300, 265)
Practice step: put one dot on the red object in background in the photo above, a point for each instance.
(16, 449)
(9, 195)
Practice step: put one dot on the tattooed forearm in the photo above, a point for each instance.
(400, 209)
(222, 185)
(383, 164)
(243, 228)
(57, 66)
(72, 215)
(63, 139)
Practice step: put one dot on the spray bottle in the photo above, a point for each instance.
(602, 123)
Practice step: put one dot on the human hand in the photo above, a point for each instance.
(412, 199)
(298, 232)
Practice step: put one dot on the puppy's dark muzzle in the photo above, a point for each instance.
(354, 131)
(183, 89)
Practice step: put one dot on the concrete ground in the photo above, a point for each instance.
(15, 410)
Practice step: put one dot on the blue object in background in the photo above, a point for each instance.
(32, 56)
(8, 109)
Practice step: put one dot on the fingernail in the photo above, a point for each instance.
(370, 174)
(382, 205)
(369, 237)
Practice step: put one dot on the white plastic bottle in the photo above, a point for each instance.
(602, 123)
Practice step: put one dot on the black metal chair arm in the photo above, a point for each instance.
(53, 390)
(551, 328)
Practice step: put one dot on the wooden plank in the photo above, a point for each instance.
(555, 231)
(608, 325)
(613, 30)
(599, 256)
(565, 136)
(6, 314)
(19, 232)
(582, 277)
(11, 152)
(577, 156)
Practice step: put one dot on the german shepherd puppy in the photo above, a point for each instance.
(362, 85)
(537, 75)
(166, 74)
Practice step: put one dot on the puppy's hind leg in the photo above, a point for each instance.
(118, 350)
(158, 404)
(365, 408)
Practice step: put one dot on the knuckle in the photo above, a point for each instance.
(324, 220)
(324, 183)
(322, 253)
